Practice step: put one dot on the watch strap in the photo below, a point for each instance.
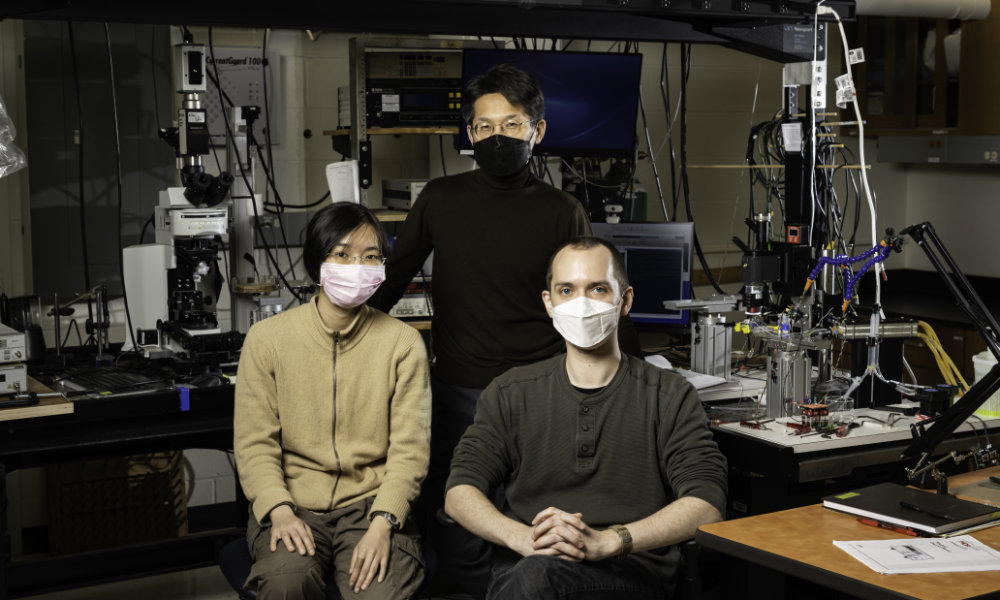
(626, 538)
(389, 517)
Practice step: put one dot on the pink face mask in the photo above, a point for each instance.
(348, 286)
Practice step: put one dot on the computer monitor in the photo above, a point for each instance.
(591, 98)
(658, 263)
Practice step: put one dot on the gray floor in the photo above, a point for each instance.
(199, 584)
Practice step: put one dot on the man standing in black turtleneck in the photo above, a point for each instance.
(492, 231)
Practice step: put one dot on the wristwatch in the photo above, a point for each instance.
(388, 516)
(626, 538)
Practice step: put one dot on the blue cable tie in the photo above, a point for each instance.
(185, 399)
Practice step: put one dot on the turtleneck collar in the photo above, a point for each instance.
(349, 335)
(517, 180)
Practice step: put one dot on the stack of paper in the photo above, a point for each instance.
(924, 555)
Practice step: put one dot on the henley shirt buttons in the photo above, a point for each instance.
(585, 409)
(586, 427)
(584, 448)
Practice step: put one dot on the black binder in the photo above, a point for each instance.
(908, 507)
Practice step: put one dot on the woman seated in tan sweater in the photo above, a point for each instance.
(332, 427)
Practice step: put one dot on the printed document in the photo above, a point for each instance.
(924, 555)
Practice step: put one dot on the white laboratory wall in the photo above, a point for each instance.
(963, 205)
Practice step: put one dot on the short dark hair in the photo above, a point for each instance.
(330, 225)
(586, 243)
(513, 83)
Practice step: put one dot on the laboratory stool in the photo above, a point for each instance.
(235, 562)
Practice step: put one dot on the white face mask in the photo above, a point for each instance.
(584, 322)
(348, 286)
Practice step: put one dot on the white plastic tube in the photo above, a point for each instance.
(936, 9)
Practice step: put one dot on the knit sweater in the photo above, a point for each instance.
(492, 238)
(617, 455)
(324, 418)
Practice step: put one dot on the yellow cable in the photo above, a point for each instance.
(951, 364)
(942, 366)
(934, 343)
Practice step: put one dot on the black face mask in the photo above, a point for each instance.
(500, 155)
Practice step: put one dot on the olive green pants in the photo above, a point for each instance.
(282, 574)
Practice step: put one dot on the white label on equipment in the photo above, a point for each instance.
(196, 117)
(844, 82)
(791, 135)
(844, 96)
(856, 55)
(390, 102)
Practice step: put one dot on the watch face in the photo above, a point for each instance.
(391, 518)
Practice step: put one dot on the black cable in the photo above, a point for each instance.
(79, 338)
(118, 162)
(215, 153)
(148, 222)
(309, 205)
(79, 112)
(267, 112)
(282, 205)
(270, 154)
(652, 161)
(267, 138)
(223, 97)
(685, 72)
(229, 132)
(441, 148)
(152, 65)
(665, 92)
(281, 209)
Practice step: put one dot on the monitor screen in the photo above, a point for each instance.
(658, 263)
(591, 98)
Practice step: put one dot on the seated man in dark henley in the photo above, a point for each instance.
(603, 456)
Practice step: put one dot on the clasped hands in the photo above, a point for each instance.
(555, 532)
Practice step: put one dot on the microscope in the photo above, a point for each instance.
(175, 283)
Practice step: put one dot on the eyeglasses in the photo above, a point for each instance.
(509, 127)
(368, 260)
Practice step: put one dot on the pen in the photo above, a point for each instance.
(902, 530)
(932, 513)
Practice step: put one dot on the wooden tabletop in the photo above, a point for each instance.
(799, 542)
(47, 405)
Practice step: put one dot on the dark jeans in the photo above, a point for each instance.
(457, 557)
(549, 578)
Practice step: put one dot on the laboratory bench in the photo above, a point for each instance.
(770, 469)
(103, 426)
